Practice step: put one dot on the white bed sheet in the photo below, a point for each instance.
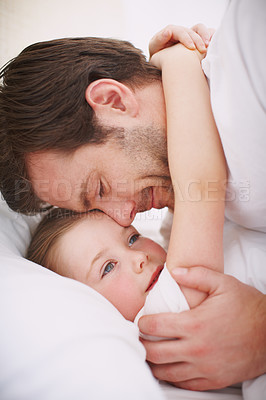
(60, 339)
(172, 393)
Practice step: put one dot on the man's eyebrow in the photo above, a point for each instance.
(125, 229)
(84, 200)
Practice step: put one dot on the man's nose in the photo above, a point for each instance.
(123, 212)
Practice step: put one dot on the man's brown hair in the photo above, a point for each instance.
(43, 106)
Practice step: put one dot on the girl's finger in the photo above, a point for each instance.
(198, 41)
(168, 36)
(203, 32)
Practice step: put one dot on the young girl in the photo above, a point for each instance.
(92, 248)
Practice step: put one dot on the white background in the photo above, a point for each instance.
(23, 22)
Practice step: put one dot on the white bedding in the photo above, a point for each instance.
(60, 339)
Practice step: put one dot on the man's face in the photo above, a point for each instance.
(120, 180)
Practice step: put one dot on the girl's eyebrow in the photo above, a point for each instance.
(96, 258)
(98, 255)
(103, 251)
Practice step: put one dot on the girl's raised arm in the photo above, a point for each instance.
(197, 164)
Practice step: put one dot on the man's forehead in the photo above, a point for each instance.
(50, 155)
(50, 176)
(61, 179)
(43, 160)
(52, 165)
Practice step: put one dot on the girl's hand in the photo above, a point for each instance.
(170, 55)
(198, 37)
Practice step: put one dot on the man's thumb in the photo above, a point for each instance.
(199, 278)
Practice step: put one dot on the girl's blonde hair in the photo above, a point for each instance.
(53, 226)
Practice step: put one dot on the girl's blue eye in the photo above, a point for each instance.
(133, 239)
(108, 268)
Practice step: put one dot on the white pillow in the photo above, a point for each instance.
(59, 338)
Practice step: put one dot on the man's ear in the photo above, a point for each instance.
(107, 96)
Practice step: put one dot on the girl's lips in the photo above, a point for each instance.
(154, 278)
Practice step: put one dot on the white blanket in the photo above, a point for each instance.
(60, 339)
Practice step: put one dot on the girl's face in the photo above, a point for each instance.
(116, 261)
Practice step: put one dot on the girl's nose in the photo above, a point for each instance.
(140, 261)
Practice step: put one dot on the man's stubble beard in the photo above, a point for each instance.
(146, 150)
(147, 146)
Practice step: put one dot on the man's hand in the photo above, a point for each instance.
(219, 343)
(198, 37)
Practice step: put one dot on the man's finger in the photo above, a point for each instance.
(174, 373)
(198, 384)
(164, 325)
(165, 351)
(200, 278)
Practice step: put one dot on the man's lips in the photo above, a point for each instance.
(154, 278)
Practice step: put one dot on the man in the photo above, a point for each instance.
(66, 129)
(64, 109)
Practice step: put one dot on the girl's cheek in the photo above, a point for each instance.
(155, 248)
